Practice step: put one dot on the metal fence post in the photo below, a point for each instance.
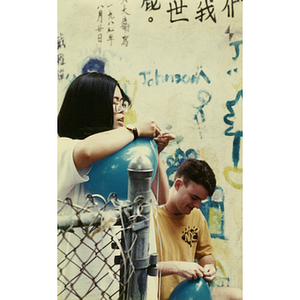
(140, 172)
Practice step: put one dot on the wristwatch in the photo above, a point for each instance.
(133, 129)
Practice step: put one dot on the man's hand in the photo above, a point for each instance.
(208, 262)
(163, 140)
(209, 272)
(189, 270)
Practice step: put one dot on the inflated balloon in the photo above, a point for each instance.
(110, 175)
(191, 290)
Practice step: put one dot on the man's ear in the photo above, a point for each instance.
(178, 183)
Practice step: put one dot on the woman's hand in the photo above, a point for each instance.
(163, 139)
(148, 128)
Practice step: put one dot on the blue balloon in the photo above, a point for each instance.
(110, 175)
(191, 290)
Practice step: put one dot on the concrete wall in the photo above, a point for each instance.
(180, 62)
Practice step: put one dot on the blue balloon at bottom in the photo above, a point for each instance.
(191, 290)
(110, 175)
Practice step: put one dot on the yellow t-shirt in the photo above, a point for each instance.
(183, 238)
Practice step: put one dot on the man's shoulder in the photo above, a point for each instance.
(197, 214)
(156, 209)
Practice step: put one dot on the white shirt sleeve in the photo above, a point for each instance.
(67, 175)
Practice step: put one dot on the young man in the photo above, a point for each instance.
(182, 233)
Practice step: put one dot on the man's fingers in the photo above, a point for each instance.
(167, 135)
(209, 278)
(199, 274)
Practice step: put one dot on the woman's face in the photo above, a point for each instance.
(118, 109)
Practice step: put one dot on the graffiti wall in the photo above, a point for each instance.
(180, 62)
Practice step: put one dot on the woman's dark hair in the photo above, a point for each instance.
(88, 106)
(199, 172)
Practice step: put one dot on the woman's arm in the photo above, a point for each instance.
(160, 183)
(99, 146)
(103, 144)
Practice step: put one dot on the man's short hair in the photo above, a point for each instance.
(199, 172)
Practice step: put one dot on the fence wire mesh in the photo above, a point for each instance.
(94, 247)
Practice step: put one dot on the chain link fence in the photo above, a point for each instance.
(103, 245)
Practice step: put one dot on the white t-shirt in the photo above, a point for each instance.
(69, 179)
(70, 184)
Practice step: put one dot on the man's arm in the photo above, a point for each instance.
(189, 270)
(206, 268)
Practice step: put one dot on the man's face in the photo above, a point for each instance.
(189, 197)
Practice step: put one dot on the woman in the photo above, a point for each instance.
(90, 128)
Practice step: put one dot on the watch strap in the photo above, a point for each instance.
(133, 130)
(135, 133)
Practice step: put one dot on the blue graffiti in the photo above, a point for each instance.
(213, 210)
(229, 131)
(92, 65)
(95, 65)
(69, 79)
(235, 70)
(157, 78)
(175, 161)
(204, 98)
(236, 45)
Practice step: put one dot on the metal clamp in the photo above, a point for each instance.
(152, 268)
(140, 225)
